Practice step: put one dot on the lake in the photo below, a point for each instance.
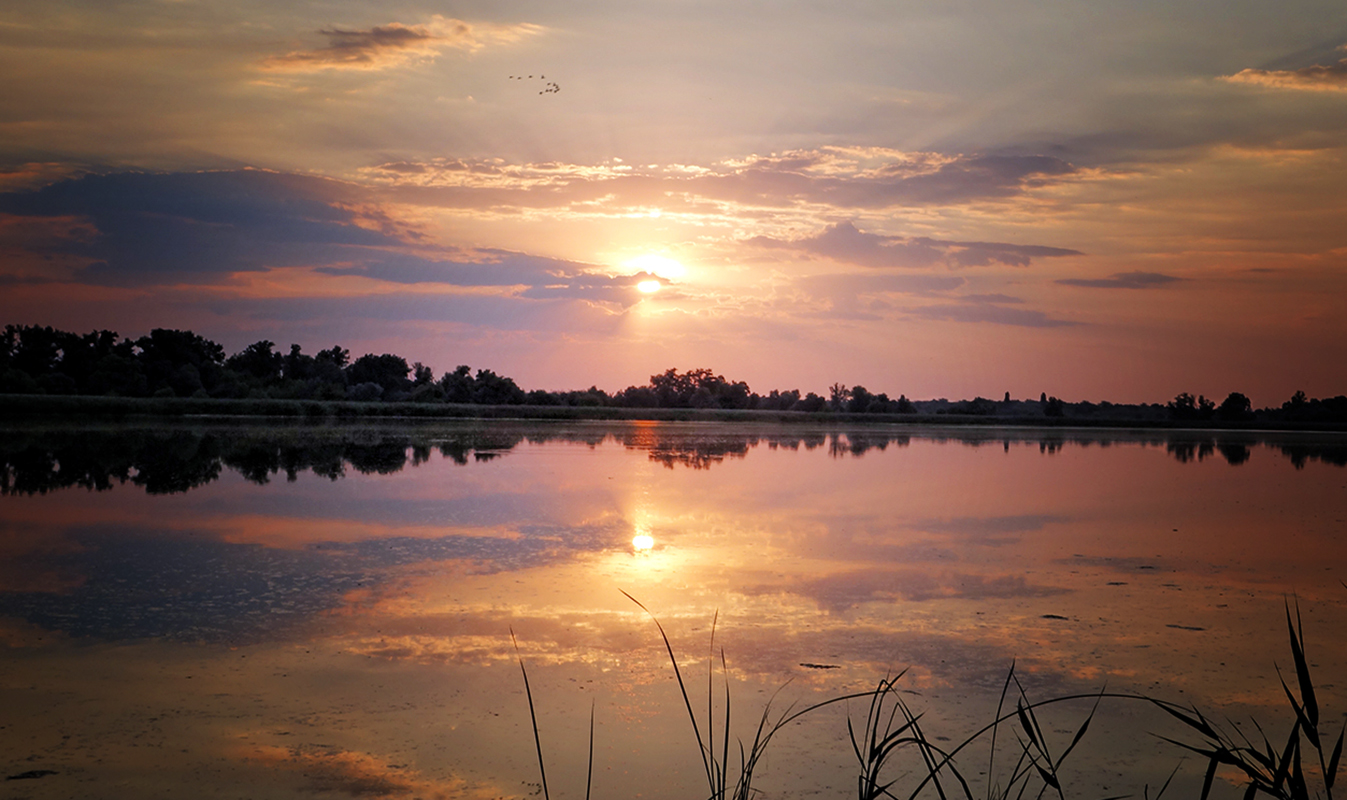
(236, 610)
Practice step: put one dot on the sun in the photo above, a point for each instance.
(648, 287)
(662, 266)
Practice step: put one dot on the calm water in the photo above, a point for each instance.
(286, 612)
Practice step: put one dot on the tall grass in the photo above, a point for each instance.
(890, 728)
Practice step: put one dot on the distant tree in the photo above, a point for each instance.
(904, 406)
(421, 374)
(492, 389)
(298, 367)
(164, 352)
(35, 349)
(1295, 407)
(1235, 407)
(701, 388)
(457, 385)
(542, 397)
(636, 397)
(335, 355)
(1054, 408)
(329, 370)
(838, 396)
(387, 370)
(811, 403)
(779, 401)
(258, 361)
(368, 391)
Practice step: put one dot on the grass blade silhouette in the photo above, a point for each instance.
(533, 717)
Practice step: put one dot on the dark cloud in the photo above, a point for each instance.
(377, 47)
(1123, 280)
(145, 228)
(844, 242)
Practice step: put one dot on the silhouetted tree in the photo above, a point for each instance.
(838, 395)
(297, 366)
(488, 388)
(164, 353)
(458, 385)
(1235, 407)
(258, 361)
(388, 371)
(812, 403)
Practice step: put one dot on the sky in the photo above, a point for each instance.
(1095, 200)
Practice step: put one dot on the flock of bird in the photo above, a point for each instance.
(550, 87)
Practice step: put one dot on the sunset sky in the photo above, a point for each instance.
(1096, 200)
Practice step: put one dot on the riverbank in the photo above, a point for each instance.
(77, 407)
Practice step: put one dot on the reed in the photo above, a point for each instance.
(890, 727)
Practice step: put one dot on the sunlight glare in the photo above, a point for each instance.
(648, 287)
(662, 266)
(642, 542)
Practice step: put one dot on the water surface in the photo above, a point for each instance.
(237, 610)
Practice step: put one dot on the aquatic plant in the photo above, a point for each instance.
(1277, 773)
(890, 727)
(537, 738)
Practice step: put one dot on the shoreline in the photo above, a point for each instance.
(74, 408)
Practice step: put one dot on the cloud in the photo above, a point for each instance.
(991, 531)
(1123, 280)
(391, 45)
(1316, 77)
(850, 178)
(988, 312)
(845, 243)
(845, 590)
(331, 770)
(143, 229)
(146, 228)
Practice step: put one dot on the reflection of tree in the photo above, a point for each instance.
(1235, 453)
(167, 460)
(1186, 451)
(1302, 452)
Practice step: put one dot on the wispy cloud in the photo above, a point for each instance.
(828, 177)
(989, 313)
(394, 44)
(838, 592)
(1316, 77)
(1123, 280)
(845, 243)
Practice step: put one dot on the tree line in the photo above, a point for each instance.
(179, 363)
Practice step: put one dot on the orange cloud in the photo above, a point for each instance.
(394, 44)
(1317, 77)
(330, 769)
